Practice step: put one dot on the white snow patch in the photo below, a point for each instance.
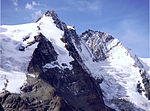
(71, 27)
(13, 79)
(13, 67)
(51, 65)
(31, 75)
(17, 32)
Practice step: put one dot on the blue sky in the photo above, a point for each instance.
(127, 20)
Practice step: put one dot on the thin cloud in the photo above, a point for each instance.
(36, 14)
(15, 2)
(34, 3)
(134, 36)
(83, 5)
(30, 6)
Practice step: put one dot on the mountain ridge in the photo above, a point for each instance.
(77, 54)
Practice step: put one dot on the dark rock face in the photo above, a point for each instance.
(42, 97)
(45, 53)
(146, 83)
(1, 108)
(125, 105)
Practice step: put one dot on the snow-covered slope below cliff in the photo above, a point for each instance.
(121, 75)
(14, 63)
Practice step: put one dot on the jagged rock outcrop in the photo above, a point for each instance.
(146, 83)
(97, 43)
(37, 96)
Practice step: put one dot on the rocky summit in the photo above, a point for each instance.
(47, 66)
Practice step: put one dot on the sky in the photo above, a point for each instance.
(126, 20)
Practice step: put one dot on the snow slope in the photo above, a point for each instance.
(125, 73)
(120, 73)
(14, 63)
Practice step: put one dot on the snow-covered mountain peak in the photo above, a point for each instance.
(97, 42)
(51, 14)
(18, 42)
(119, 72)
